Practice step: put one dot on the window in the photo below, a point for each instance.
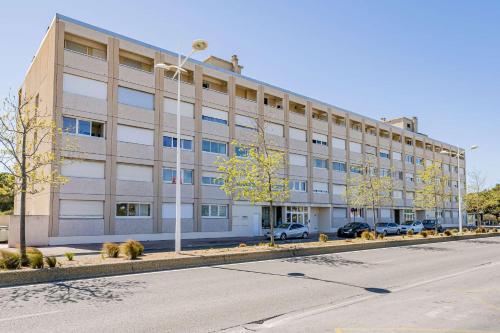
(169, 176)
(214, 211)
(171, 142)
(85, 87)
(339, 166)
(81, 209)
(82, 168)
(419, 161)
(398, 175)
(338, 143)
(273, 129)
(370, 150)
(319, 187)
(84, 46)
(83, 127)
(409, 177)
(136, 61)
(410, 195)
(298, 160)
(409, 159)
(214, 147)
(320, 163)
(142, 136)
(133, 210)
(245, 122)
(136, 98)
(409, 141)
(297, 134)
(428, 162)
(320, 139)
(170, 106)
(384, 153)
(385, 172)
(133, 172)
(397, 194)
(396, 156)
(339, 189)
(214, 115)
(241, 152)
(340, 213)
(356, 168)
(355, 147)
(211, 180)
(298, 185)
(168, 211)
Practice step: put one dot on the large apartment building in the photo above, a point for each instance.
(103, 89)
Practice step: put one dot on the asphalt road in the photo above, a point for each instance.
(445, 287)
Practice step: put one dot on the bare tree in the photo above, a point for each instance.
(476, 200)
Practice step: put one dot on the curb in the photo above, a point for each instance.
(18, 278)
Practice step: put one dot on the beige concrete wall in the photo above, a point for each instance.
(36, 230)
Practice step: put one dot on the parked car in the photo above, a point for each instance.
(387, 228)
(353, 229)
(430, 224)
(289, 230)
(416, 226)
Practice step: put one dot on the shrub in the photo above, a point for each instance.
(424, 233)
(410, 232)
(138, 245)
(454, 231)
(323, 238)
(51, 261)
(430, 232)
(132, 249)
(480, 230)
(367, 235)
(447, 232)
(380, 236)
(32, 250)
(9, 260)
(242, 245)
(263, 244)
(69, 256)
(112, 250)
(35, 260)
(493, 230)
(465, 230)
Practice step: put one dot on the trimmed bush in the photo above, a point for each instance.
(112, 250)
(424, 233)
(51, 261)
(493, 230)
(480, 230)
(32, 250)
(465, 230)
(380, 235)
(447, 232)
(454, 231)
(367, 235)
(132, 249)
(323, 238)
(9, 260)
(242, 245)
(69, 256)
(35, 260)
(410, 232)
(430, 232)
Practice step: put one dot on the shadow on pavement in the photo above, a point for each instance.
(327, 260)
(427, 248)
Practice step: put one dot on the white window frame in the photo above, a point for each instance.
(133, 216)
(210, 216)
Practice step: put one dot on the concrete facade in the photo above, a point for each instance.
(106, 85)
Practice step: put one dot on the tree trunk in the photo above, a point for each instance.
(271, 222)
(22, 213)
(374, 222)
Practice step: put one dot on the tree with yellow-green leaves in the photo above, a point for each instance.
(369, 189)
(26, 154)
(432, 192)
(255, 175)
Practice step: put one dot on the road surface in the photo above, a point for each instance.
(444, 287)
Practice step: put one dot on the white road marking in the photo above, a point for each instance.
(29, 315)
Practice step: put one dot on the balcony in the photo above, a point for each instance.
(356, 130)
(320, 119)
(297, 113)
(136, 68)
(215, 91)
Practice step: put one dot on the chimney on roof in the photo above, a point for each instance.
(415, 124)
(236, 66)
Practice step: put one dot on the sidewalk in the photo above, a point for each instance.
(168, 245)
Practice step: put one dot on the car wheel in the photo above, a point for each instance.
(305, 235)
(283, 236)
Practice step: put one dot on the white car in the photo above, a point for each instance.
(387, 228)
(415, 226)
(289, 230)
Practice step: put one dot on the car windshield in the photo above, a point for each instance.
(351, 225)
(381, 224)
(284, 226)
(408, 223)
(428, 222)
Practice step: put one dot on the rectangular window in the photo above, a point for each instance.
(355, 147)
(171, 142)
(211, 180)
(81, 209)
(396, 156)
(214, 211)
(141, 136)
(340, 213)
(385, 172)
(136, 61)
(136, 98)
(409, 195)
(338, 143)
(84, 46)
(168, 211)
(214, 147)
(133, 172)
(86, 87)
(298, 185)
(339, 166)
(169, 176)
(410, 177)
(398, 175)
(339, 189)
(370, 150)
(83, 127)
(241, 151)
(214, 115)
(384, 153)
(133, 209)
(82, 168)
(298, 160)
(419, 161)
(409, 159)
(297, 134)
(320, 163)
(428, 162)
(319, 187)
(245, 122)
(397, 194)
(320, 139)
(356, 168)
(273, 129)
(170, 106)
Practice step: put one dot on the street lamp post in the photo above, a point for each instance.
(459, 185)
(198, 45)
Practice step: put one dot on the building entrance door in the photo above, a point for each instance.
(277, 217)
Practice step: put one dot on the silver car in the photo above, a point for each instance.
(289, 230)
(387, 228)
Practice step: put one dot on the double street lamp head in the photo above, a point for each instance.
(197, 46)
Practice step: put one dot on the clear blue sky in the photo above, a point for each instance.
(437, 60)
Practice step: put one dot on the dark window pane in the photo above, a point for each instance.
(83, 127)
(69, 125)
(97, 129)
